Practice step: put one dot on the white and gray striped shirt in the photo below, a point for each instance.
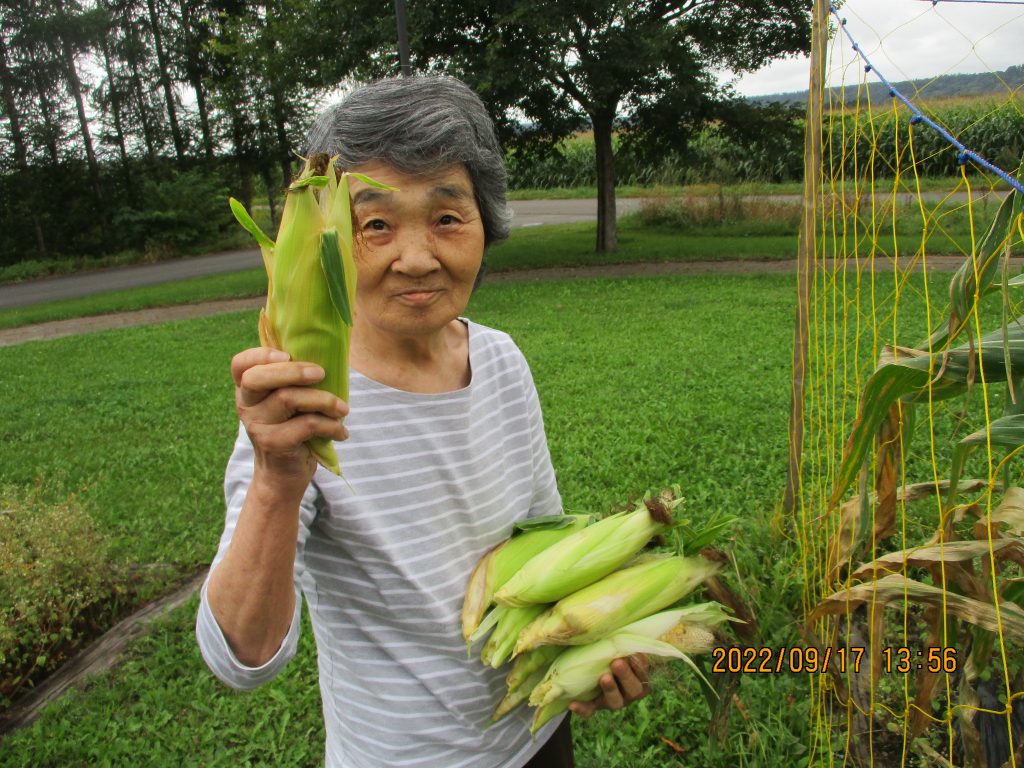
(431, 482)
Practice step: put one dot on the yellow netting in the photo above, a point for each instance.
(910, 507)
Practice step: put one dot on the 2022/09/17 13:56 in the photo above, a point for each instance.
(764, 660)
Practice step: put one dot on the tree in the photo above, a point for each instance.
(641, 68)
(192, 52)
(8, 89)
(165, 78)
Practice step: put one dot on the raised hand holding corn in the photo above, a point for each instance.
(311, 280)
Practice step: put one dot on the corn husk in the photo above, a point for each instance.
(575, 674)
(500, 563)
(618, 599)
(311, 279)
(587, 555)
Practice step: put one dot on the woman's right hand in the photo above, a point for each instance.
(281, 411)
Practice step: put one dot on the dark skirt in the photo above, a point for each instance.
(557, 752)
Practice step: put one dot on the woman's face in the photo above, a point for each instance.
(418, 249)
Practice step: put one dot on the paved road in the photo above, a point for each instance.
(526, 213)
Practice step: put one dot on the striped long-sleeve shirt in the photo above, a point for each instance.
(431, 482)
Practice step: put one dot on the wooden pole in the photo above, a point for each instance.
(807, 242)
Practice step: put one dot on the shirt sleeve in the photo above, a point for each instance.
(212, 644)
(546, 499)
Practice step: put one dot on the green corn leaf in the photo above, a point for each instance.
(692, 535)
(963, 290)
(1005, 432)
(906, 374)
(248, 224)
(371, 182)
(311, 181)
(543, 523)
(334, 271)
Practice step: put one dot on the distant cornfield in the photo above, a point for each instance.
(993, 128)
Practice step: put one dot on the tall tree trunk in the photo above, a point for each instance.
(20, 153)
(165, 81)
(204, 116)
(194, 68)
(49, 127)
(241, 156)
(128, 25)
(83, 121)
(140, 102)
(607, 234)
(265, 164)
(115, 108)
(277, 105)
(284, 153)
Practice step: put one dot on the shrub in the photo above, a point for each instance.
(742, 214)
(53, 574)
(175, 214)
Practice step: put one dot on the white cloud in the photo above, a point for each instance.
(908, 39)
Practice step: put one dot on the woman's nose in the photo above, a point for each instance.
(417, 254)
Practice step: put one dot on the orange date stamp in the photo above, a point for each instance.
(764, 660)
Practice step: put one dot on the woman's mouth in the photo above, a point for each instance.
(418, 298)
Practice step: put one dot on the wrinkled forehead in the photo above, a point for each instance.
(449, 184)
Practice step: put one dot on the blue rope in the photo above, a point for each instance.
(963, 153)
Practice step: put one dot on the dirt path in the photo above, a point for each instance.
(79, 325)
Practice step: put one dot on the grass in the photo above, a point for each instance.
(250, 282)
(645, 382)
(144, 423)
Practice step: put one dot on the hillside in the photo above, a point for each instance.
(941, 87)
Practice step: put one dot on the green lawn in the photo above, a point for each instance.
(638, 381)
(645, 382)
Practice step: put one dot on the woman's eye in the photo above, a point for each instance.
(447, 220)
(376, 225)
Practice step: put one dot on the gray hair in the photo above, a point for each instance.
(419, 125)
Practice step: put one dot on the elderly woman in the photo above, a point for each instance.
(443, 450)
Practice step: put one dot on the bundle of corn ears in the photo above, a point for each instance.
(567, 600)
(311, 279)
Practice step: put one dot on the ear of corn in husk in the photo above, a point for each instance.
(510, 623)
(616, 600)
(311, 280)
(574, 675)
(527, 671)
(499, 564)
(587, 555)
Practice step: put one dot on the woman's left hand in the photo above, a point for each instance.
(628, 681)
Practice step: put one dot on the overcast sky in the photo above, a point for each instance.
(910, 39)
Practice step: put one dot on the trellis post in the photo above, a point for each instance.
(806, 245)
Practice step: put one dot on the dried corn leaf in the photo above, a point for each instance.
(950, 552)
(898, 589)
(853, 520)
